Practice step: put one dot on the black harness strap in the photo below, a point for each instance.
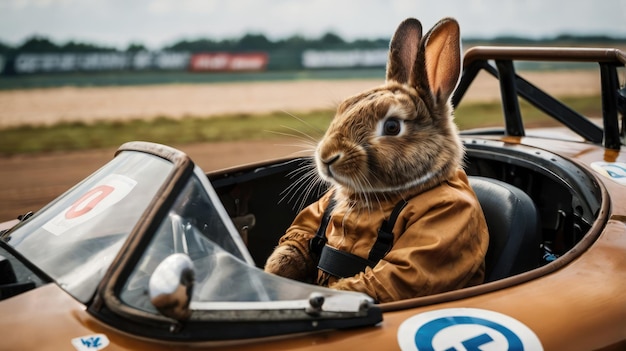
(344, 264)
(384, 241)
(317, 243)
(341, 263)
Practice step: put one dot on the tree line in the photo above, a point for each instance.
(259, 42)
(248, 42)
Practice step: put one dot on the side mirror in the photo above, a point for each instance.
(171, 286)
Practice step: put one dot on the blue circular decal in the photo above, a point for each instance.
(612, 170)
(465, 329)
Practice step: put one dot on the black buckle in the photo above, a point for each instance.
(316, 244)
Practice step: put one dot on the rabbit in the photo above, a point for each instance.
(394, 148)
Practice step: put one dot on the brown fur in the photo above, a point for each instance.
(363, 166)
(421, 75)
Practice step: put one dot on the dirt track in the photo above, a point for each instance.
(47, 106)
(29, 182)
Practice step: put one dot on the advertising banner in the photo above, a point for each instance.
(100, 61)
(344, 58)
(219, 62)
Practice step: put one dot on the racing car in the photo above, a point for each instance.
(151, 252)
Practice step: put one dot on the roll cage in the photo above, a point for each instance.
(499, 63)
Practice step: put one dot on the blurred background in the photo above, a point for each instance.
(225, 81)
(69, 36)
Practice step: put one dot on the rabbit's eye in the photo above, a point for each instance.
(392, 127)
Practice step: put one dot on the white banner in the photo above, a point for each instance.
(344, 58)
(100, 61)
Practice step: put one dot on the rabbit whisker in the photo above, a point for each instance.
(305, 139)
(298, 134)
(314, 128)
(304, 186)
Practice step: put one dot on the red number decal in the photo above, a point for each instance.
(88, 201)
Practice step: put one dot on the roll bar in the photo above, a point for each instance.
(512, 85)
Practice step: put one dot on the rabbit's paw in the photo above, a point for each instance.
(287, 262)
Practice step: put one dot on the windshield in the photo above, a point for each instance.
(225, 276)
(75, 238)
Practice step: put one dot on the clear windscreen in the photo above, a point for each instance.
(75, 238)
(225, 275)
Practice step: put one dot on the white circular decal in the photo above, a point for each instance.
(96, 200)
(612, 170)
(465, 329)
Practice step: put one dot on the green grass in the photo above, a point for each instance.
(103, 134)
(478, 115)
(163, 130)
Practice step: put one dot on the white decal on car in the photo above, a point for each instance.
(96, 200)
(457, 329)
(90, 342)
(612, 170)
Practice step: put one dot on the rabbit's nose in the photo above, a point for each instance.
(331, 159)
(327, 162)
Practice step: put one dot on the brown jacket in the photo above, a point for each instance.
(440, 241)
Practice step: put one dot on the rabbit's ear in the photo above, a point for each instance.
(403, 51)
(441, 48)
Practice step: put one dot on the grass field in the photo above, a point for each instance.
(68, 136)
(106, 110)
(51, 138)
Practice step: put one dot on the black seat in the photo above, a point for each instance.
(514, 228)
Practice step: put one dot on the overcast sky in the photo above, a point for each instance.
(156, 23)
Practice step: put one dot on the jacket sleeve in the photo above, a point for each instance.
(441, 247)
(298, 235)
